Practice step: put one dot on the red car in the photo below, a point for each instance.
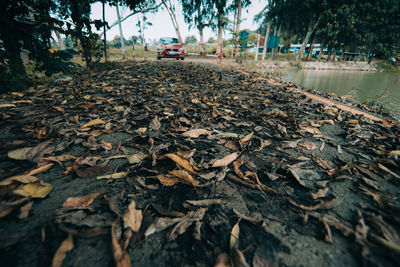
(170, 48)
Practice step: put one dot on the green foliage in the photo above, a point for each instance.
(190, 39)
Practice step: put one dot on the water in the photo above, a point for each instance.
(379, 88)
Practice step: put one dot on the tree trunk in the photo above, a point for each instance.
(309, 56)
(266, 40)
(13, 54)
(60, 40)
(258, 46)
(201, 32)
(171, 13)
(320, 52)
(220, 28)
(104, 32)
(341, 55)
(121, 36)
(238, 18)
(310, 29)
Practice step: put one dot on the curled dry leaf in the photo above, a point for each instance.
(181, 162)
(133, 217)
(247, 138)
(183, 175)
(140, 130)
(394, 153)
(155, 124)
(106, 145)
(168, 180)
(116, 175)
(92, 123)
(225, 161)
(136, 158)
(222, 260)
(66, 246)
(121, 256)
(325, 203)
(161, 224)
(19, 154)
(81, 202)
(195, 133)
(234, 237)
(37, 189)
(24, 210)
(40, 169)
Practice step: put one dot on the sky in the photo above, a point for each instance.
(162, 25)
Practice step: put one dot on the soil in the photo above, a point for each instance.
(305, 184)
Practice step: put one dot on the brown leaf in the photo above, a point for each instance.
(320, 193)
(168, 180)
(140, 130)
(37, 189)
(80, 202)
(38, 152)
(181, 162)
(115, 175)
(89, 172)
(222, 260)
(231, 144)
(236, 166)
(195, 133)
(107, 146)
(155, 124)
(247, 138)
(133, 217)
(225, 161)
(40, 169)
(19, 154)
(121, 256)
(92, 123)
(66, 246)
(24, 210)
(326, 203)
(183, 175)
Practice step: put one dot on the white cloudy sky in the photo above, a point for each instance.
(162, 25)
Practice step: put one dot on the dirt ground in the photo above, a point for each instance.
(188, 164)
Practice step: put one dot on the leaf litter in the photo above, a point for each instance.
(173, 168)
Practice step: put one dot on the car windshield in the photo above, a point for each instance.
(169, 41)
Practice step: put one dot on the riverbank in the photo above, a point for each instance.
(314, 65)
(184, 163)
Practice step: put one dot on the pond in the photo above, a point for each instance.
(378, 88)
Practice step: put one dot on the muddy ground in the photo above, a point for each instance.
(189, 164)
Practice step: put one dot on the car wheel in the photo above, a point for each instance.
(158, 58)
(182, 58)
(177, 58)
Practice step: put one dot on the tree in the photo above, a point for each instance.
(170, 7)
(190, 39)
(142, 25)
(198, 13)
(238, 5)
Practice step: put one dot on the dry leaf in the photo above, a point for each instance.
(168, 180)
(222, 260)
(247, 138)
(121, 256)
(92, 122)
(394, 153)
(40, 169)
(133, 217)
(224, 162)
(140, 130)
(24, 179)
(136, 158)
(183, 175)
(107, 146)
(181, 162)
(326, 203)
(37, 189)
(19, 154)
(161, 224)
(66, 246)
(80, 202)
(320, 193)
(155, 124)
(24, 210)
(116, 175)
(7, 106)
(195, 133)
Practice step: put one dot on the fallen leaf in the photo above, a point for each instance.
(181, 162)
(116, 175)
(66, 246)
(388, 123)
(107, 146)
(140, 130)
(37, 189)
(165, 212)
(320, 193)
(121, 256)
(24, 210)
(394, 153)
(195, 133)
(321, 148)
(80, 202)
(222, 260)
(40, 169)
(325, 203)
(203, 202)
(24, 179)
(133, 217)
(19, 154)
(234, 237)
(168, 180)
(136, 158)
(39, 151)
(161, 224)
(155, 124)
(7, 106)
(225, 161)
(183, 175)
(186, 222)
(382, 167)
(92, 123)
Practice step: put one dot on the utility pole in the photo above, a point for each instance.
(104, 31)
(120, 33)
